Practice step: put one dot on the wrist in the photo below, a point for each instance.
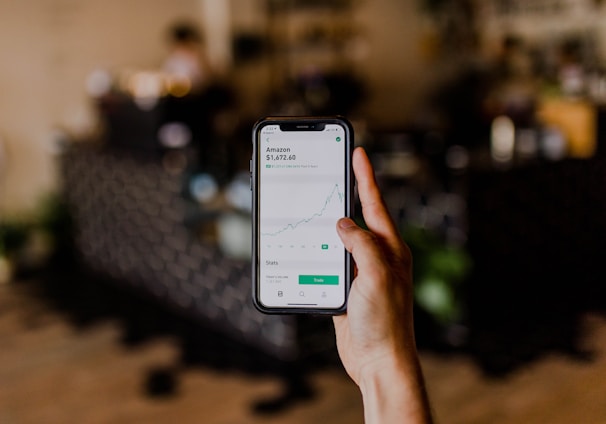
(393, 389)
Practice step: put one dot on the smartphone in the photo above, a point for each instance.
(302, 185)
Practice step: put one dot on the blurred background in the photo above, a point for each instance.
(125, 204)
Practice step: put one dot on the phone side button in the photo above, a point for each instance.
(250, 173)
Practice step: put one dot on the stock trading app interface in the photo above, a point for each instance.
(302, 194)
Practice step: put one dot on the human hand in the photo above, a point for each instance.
(375, 338)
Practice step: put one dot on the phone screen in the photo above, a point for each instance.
(302, 187)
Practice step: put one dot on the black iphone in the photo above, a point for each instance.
(302, 184)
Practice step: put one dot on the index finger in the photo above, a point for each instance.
(374, 210)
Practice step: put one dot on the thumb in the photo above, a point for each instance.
(363, 245)
(347, 229)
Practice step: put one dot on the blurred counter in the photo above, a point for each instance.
(134, 225)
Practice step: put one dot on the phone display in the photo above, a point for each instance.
(301, 187)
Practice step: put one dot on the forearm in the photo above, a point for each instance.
(395, 393)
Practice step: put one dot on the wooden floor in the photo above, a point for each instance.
(53, 372)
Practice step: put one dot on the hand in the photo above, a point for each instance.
(375, 338)
(379, 317)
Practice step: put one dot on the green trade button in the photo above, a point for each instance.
(323, 280)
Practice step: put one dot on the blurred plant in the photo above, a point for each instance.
(12, 236)
(438, 272)
(457, 22)
(29, 241)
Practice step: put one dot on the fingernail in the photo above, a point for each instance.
(346, 223)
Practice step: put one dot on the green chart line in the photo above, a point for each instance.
(335, 191)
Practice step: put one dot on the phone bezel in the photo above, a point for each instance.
(304, 123)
